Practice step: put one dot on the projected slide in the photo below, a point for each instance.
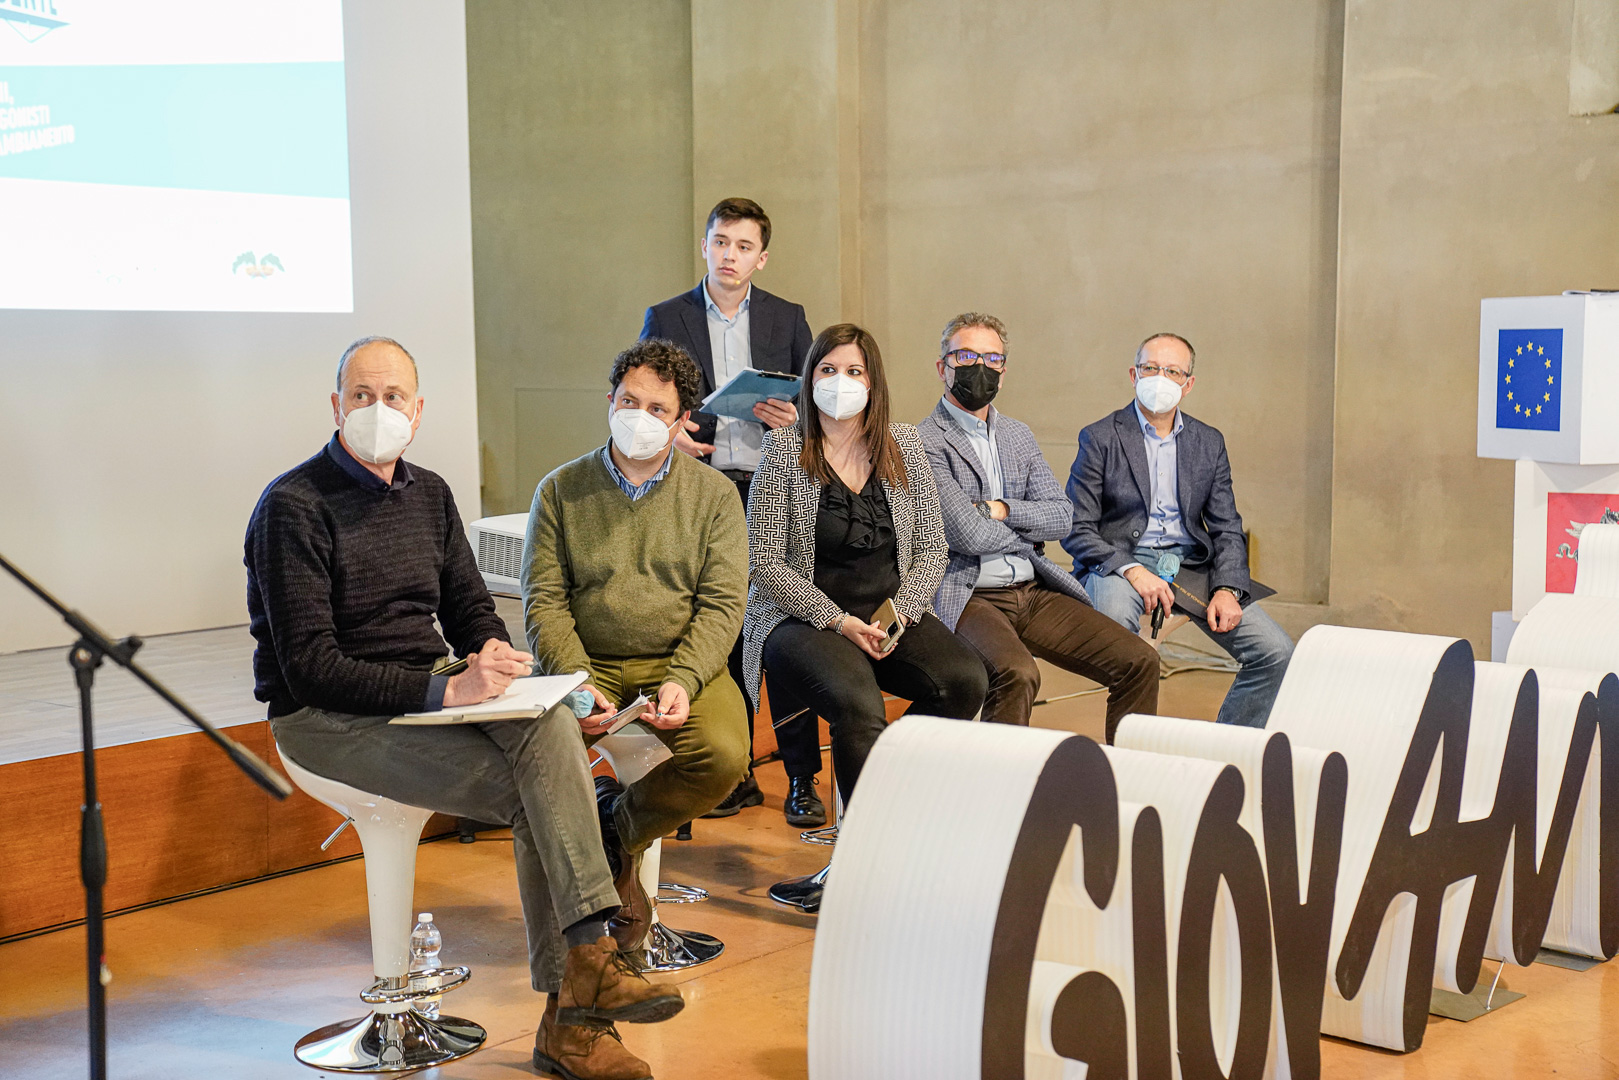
(190, 155)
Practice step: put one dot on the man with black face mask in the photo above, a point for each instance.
(1001, 503)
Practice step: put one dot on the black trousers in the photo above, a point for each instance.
(827, 672)
(799, 740)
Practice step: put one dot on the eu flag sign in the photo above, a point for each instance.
(1529, 380)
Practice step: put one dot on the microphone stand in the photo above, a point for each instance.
(85, 656)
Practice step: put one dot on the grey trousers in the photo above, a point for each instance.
(530, 774)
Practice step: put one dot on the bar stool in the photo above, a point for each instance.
(632, 752)
(393, 1037)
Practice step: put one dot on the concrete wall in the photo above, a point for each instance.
(581, 150)
(1317, 193)
(1463, 177)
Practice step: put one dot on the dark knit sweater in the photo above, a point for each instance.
(345, 575)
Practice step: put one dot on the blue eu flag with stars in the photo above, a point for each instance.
(1529, 380)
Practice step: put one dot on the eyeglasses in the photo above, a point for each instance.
(1174, 375)
(967, 358)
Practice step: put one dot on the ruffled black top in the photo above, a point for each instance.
(855, 561)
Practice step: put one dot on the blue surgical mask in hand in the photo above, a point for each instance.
(582, 702)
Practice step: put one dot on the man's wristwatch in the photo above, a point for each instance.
(984, 510)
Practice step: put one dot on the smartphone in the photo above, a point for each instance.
(888, 618)
(635, 710)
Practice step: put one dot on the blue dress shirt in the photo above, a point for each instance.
(736, 442)
(634, 491)
(1000, 570)
(1164, 525)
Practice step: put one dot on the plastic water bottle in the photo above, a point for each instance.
(425, 943)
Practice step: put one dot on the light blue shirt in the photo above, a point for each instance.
(1000, 570)
(736, 442)
(635, 493)
(1164, 525)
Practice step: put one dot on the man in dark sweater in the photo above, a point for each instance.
(350, 558)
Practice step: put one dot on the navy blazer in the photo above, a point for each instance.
(778, 338)
(1110, 488)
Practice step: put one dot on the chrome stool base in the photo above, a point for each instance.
(666, 949)
(825, 836)
(671, 893)
(803, 893)
(389, 1043)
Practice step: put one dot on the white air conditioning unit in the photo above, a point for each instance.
(497, 542)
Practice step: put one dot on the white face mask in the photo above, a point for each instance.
(637, 433)
(841, 397)
(377, 433)
(1157, 393)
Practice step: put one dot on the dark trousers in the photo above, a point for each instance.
(827, 672)
(799, 740)
(1009, 627)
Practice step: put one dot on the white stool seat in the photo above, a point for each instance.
(393, 1037)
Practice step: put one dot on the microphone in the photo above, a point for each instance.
(1169, 564)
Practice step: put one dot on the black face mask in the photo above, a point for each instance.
(975, 386)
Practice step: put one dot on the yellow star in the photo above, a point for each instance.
(1513, 363)
(1520, 350)
(1530, 345)
(1509, 380)
(1548, 397)
(1509, 395)
(1542, 351)
(1517, 408)
(1548, 380)
(1537, 408)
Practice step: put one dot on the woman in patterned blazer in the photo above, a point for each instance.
(843, 515)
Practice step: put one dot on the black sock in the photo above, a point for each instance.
(587, 930)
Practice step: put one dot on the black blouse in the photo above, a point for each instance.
(855, 560)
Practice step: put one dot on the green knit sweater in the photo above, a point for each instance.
(665, 575)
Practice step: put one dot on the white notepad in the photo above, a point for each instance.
(523, 699)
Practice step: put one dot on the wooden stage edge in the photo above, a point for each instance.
(180, 819)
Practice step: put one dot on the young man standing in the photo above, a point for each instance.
(728, 325)
(1001, 504)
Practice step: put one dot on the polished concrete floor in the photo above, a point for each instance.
(221, 986)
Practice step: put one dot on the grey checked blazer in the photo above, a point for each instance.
(783, 504)
(1037, 508)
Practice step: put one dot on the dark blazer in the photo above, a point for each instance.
(1110, 489)
(1037, 510)
(778, 337)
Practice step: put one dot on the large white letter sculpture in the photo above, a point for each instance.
(1010, 903)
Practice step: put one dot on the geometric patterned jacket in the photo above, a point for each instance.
(782, 507)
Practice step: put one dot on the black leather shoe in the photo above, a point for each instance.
(745, 794)
(802, 805)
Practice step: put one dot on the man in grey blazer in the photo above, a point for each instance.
(1001, 503)
(1151, 490)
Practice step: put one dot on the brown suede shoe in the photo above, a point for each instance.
(584, 1053)
(630, 925)
(601, 986)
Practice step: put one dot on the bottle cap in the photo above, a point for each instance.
(426, 916)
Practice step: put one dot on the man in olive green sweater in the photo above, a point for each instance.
(636, 570)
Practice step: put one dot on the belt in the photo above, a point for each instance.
(736, 474)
